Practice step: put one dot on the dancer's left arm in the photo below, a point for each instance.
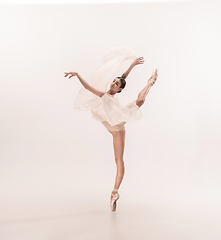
(135, 62)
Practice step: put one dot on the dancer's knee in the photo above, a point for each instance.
(119, 162)
(140, 102)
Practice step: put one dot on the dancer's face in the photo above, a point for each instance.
(115, 85)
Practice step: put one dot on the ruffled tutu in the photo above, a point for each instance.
(108, 108)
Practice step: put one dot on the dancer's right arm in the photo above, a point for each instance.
(85, 84)
(135, 62)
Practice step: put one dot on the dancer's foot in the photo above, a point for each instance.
(113, 200)
(153, 78)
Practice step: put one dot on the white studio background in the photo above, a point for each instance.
(49, 150)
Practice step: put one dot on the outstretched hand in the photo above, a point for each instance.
(137, 60)
(72, 74)
(153, 78)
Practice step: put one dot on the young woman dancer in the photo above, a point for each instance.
(107, 109)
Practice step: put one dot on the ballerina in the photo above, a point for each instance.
(107, 109)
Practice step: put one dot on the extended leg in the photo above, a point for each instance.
(143, 93)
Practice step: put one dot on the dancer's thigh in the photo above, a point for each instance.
(118, 144)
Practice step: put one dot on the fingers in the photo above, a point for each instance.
(140, 60)
(66, 74)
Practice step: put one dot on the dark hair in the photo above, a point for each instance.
(123, 83)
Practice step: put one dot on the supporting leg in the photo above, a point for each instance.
(118, 144)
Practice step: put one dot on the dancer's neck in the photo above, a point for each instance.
(111, 93)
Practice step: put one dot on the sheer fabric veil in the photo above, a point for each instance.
(102, 76)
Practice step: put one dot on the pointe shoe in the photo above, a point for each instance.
(154, 72)
(113, 200)
(153, 78)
